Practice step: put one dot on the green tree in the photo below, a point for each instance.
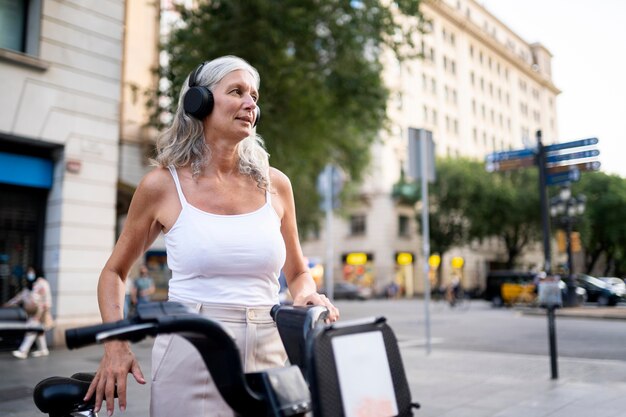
(449, 199)
(468, 203)
(322, 95)
(602, 226)
(506, 205)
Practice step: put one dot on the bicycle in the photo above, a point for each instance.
(316, 351)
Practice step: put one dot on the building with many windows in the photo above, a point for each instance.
(60, 74)
(480, 88)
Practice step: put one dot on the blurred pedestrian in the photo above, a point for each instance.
(36, 299)
(144, 286)
(129, 297)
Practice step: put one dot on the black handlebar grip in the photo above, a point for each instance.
(83, 336)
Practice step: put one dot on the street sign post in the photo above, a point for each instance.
(574, 155)
(560, 163)
(583, 166)
(563, 177)
(572, 144)
(507, 155)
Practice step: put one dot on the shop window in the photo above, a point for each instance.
(358, 225)
(20, 22)
(404, 228)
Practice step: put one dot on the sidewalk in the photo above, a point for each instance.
(447, 383)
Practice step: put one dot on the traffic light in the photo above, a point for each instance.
(575, 242)
(561, 241)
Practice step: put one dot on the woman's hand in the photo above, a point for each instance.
(118, 361)
(318, 300)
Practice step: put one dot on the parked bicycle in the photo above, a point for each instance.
(322, 363)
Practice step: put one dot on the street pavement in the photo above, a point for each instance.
(446, 382)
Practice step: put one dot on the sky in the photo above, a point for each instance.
(588, 42)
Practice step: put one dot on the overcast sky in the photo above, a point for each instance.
(588, 42)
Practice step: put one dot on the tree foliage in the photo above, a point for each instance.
(322, 95)
(602, 226)
(507, 206)
(468, 203)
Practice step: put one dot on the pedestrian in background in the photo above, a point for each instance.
(129, 296)
(143, 286)
(36, 299)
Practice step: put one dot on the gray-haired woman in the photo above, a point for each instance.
(229, 224)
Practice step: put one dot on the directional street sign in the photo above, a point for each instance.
(507, 155)
(573, 144)
(583, 166)
(574, 155)
(563, 177)
(510, 164)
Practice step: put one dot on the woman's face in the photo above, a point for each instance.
(234, 110)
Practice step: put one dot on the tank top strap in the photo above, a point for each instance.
(268, 197)
(179, 189)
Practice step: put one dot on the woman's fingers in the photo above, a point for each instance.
(117, 362)
(321, 299)
(109, 393)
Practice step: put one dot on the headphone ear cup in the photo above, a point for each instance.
(198, 102)
(257, 116)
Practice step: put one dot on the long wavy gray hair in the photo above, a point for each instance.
(183, 142)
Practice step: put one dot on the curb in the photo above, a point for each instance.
(598, 313)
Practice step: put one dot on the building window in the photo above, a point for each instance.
(404, 226)
(19, 25)
(358, 225)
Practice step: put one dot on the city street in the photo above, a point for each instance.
(484, 362)
(479, 327)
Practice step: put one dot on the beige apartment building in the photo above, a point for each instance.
(480, 88)
(60, 74)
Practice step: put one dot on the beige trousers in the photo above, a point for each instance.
(181, 384)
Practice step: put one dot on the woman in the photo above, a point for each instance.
(36, 299)
(230, 226)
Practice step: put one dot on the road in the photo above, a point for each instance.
(482, 328)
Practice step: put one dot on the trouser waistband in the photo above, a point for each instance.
(232, 312)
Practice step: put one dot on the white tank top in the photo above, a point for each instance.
(225, 259)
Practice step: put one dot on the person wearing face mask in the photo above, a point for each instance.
(36, 299)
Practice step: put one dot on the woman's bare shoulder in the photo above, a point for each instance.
(279, 180)
(155, 182)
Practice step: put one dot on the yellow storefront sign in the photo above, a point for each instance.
(457, 262)
(404, 258)
(356, 258)
(434, 261)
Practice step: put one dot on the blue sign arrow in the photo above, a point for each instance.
(574, 155)
(507, 155)
(573, 144)
(572, 175)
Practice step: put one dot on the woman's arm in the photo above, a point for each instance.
(299, 280)
(141, 228)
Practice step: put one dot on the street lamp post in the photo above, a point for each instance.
(566, 208)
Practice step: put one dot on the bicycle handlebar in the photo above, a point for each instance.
(83, 336)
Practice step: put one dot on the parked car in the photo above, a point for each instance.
(514, 283)
(618, 284)
(598, 291)
(348, 291)
(581, 293)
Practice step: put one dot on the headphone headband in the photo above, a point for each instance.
(194, 74)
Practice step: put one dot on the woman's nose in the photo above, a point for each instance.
(249, 101)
